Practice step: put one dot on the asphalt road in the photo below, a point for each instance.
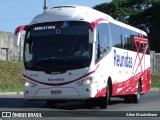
(148, 102)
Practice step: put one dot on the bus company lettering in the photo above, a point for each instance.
(122, 60)
(56, 79)
(44, 28)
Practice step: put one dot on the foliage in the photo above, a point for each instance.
(10, 76)
(155, 80)
(143, 14)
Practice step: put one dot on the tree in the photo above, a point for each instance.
(142, 14)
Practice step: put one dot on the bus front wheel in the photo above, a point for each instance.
(103, 102)
(50, 103)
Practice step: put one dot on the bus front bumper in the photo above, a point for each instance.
(56, 94)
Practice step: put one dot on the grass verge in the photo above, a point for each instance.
(155, 80)
(10, 76)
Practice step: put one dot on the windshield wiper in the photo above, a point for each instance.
(50, 59)
(44, 60)
(57, 60)
(75, 63)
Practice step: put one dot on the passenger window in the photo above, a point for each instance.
(104, 38)
(28, 48)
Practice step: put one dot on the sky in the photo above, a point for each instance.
(14, 13)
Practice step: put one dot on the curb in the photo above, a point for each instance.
(11, 93)
(155, 89)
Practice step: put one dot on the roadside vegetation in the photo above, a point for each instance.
(155, 77)
(11, 77)
(141, 14)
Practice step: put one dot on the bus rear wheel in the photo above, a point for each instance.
(136, 97)
(128, 99)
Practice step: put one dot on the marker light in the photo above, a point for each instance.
(58, 26)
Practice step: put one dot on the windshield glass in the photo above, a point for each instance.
(57, 46)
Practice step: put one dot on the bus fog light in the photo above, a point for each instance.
(87, 81)
(29, 84)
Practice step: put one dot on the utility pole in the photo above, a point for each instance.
(45, 5)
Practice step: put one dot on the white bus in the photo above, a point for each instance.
(78, 53)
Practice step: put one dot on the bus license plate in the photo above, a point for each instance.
(56, 92)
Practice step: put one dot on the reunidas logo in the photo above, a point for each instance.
(55, 79)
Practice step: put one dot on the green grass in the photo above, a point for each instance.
(155, 80)
(10, 76)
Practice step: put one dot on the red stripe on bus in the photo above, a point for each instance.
(129, 86)
(100, 20)
(60, 84)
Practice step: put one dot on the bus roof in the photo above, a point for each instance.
(77, 13)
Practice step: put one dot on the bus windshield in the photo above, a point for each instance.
(57, 46)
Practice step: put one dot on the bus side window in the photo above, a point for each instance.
(128, 42)
(103, 38)
(28, 51)
(117, 37)
(143, 48)
(97, 47)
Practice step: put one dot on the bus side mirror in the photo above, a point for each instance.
(17, 35)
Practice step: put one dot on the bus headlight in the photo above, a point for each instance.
(86, 81)
(29, 84)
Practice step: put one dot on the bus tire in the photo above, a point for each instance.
(50, 103)
(103, 102)
(128, 99)
(136, 97)
(90, 103)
